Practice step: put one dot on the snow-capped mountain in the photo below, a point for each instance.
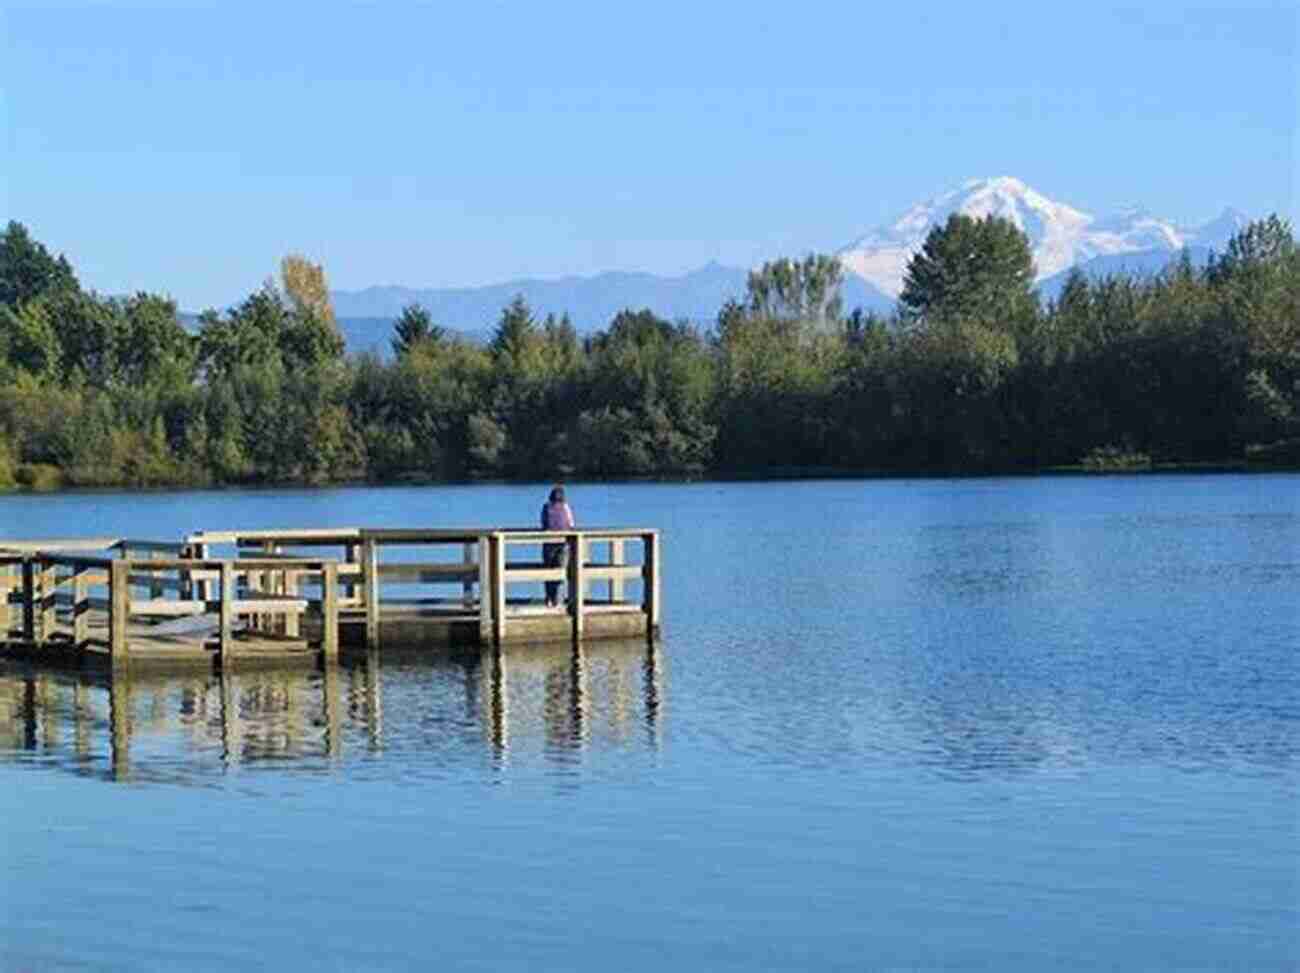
(1132, 241)
(1060, 235)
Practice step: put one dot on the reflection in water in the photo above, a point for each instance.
(564, 699)
(552, 702)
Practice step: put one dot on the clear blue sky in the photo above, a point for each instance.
(185, 148)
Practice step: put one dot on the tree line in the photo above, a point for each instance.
(973, 373)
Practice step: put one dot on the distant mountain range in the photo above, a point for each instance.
(366, 316)
(589, 301)
(1061, 237)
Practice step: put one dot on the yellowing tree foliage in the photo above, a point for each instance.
(305, 287)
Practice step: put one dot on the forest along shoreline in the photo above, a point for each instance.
(1195, 368)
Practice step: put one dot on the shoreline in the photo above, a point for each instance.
(773, 475)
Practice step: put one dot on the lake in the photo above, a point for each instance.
(1009, 723)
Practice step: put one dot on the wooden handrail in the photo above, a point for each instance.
(261, 579)
(132, 544)
(60, 544)
(285, 535)
(594, 535)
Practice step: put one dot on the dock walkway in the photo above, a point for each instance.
(306, 593)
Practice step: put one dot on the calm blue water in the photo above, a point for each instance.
(1003, 723)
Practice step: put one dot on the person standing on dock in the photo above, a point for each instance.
(556, 515)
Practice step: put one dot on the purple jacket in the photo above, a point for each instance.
(557, 516)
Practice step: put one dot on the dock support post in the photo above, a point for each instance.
(370, 559)
(226, 633)
(498, 588)
(119, 606)
(187, 579)
(201, 551)
(29, 601)
(484, 591)
(350, 557)
(7, 586)
(329, 603)
(616, 558)
(47, 579)
(650, 572)
(577, 582)
(289, 584)
(467, 585)
(80, 607)
(155, 578)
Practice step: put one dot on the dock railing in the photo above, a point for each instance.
(54, 598)
(88, 593)
(578, 575)
(484, 566)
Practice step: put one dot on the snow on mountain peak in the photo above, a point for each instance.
(1059, 235)
(1215, 234)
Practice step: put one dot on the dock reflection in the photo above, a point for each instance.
(526, 703)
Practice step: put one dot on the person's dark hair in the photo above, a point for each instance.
(557, 494)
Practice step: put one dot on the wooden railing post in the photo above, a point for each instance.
(485, 590)
(202, 552)
(270, 585)
(6, 609)
(155, 586)
(48, 578)
(252, 585)
(349, 557)
(29, 600)
(329, 602)
(80, 607)
(187, 579)
(650, 573)
(498, 587)
(577, 582)
(469, 555)
(370, 559)
(616, 558)
(289, 585)
(226, 636)
(119, 609)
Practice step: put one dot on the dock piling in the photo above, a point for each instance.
(370, 561)
(651, 595)
(485, 590)
(498, 588)
(577, 583)
(80, 606)
(29, 601)
(329, 601)
(226, 636)
(119, 597)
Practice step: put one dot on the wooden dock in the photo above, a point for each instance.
(214, 596)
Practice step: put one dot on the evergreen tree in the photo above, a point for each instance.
(414, 326)
(27, 270)
(515, 330)
(971, 268)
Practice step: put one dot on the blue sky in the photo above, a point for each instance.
(186, 147)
